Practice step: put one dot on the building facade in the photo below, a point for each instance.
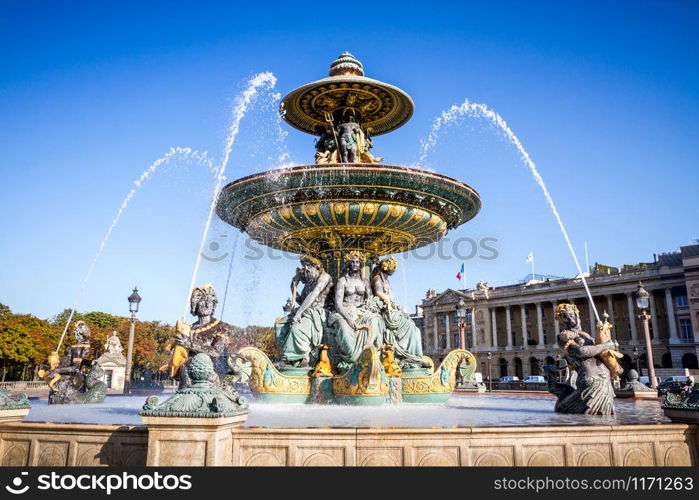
(516, 323)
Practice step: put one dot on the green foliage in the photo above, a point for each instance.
(26, 341)
(102, 320)
(261, 337)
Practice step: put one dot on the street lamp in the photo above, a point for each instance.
(642, 303)
(134, 300)
(461, 312)
(490, 372)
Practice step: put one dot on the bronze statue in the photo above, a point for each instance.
(300, 333)
(356, 321)
(326, 147)
(401, 332)
(348, 132)
(593, 393)
(208, 335)
(66, 380)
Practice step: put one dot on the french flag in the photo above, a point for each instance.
(460, 274)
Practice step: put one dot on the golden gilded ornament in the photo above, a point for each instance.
(443, 380)
(266, 379)
(390, 365)
(371, 379)
(323, 368)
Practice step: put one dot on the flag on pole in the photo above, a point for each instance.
(530, 258)
(460, 274)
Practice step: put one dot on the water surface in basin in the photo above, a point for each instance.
(460, 411)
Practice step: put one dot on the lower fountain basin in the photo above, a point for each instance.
(482, 410)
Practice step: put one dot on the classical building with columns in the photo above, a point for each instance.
(516, 323)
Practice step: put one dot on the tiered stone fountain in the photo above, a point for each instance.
(348, 207)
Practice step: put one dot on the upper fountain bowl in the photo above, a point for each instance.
(379, 107)
(326, 209)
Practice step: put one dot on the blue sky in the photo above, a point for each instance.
(603, 95)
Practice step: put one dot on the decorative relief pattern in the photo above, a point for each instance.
(593, 458)
(539, 456)
(436, 457)
(52, 454)
(94, 454)
(380, 457)
(16, 453)
(673, 445)
(265, 456)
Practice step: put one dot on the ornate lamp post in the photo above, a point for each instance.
(134, 300)
(461, 312)
(490, 372)
(642, 303)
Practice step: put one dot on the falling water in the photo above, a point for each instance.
(242, 103)
(482, 111)
(284, 159)
(404, 279)
(234, 248)
(187, 154)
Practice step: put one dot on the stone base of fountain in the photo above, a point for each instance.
(635, 394)
(183, 441)
(366, 383)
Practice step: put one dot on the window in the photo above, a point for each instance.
(443, 319)
(686, 329)
(682, 301)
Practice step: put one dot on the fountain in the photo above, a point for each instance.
(342, 338)
(342, 214)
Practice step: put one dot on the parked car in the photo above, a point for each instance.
(674, 384)
(509, 378)
(535, 379)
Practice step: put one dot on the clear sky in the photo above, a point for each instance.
(604, 96)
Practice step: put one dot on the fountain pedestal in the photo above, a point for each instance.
(186, 441)
(13, 408)
(194, 426)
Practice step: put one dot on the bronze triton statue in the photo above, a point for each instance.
(591, 392)
(210, 336)
(74, 378)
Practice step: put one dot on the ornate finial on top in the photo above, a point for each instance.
(346, 64)
(605, 315)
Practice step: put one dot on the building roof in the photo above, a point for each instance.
(673, 259)
(689, 251)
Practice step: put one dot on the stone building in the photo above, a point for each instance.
(516, 323)
(113, 363)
